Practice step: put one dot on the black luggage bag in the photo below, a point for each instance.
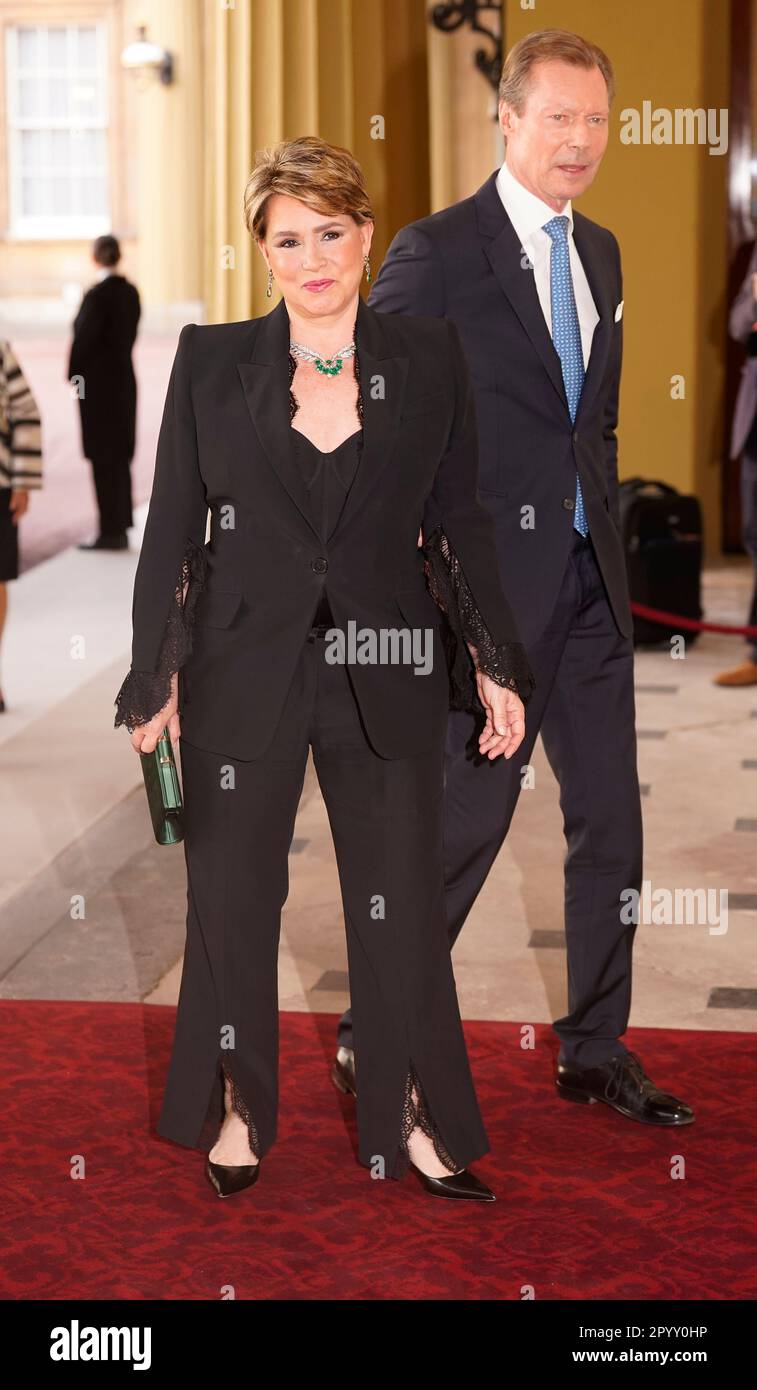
(661, 530)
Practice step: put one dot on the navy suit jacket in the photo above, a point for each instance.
(466, 263)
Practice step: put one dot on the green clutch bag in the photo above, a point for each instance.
(163, 791)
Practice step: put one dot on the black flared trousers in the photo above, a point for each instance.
(386, 822)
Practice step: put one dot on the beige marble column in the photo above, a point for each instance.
(168, 164)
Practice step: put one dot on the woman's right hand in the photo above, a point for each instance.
(145, 736)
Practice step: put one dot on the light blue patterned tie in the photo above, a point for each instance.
(566, 335)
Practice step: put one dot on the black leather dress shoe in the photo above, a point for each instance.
(623, 1084)
(117, 542)
(227, 1179)
(343, 1071)
(462, 1185)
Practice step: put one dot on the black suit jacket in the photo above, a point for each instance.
(226, 443)
(104, 332)
(466, 262)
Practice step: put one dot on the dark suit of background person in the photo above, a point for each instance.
(104, 332)
(253, 693)
(570, 594)
(744, 441)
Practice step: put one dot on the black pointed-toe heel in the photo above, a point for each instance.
(462, 1185)
(227, 1179)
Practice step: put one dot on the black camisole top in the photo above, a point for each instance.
(329, 477)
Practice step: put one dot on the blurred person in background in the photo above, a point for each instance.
(741, 326)
(20, 466)
(100, 359)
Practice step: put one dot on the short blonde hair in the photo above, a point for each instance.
(327, 178)
(544, 46)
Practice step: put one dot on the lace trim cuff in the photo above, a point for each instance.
(507, 664)
(144, 693)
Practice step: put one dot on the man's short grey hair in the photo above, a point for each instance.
(545, 46)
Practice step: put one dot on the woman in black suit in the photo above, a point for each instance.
(321, 436)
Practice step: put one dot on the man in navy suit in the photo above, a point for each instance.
(535, 291)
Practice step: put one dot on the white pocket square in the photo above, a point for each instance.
(619, 311)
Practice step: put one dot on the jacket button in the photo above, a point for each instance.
(320, 564)
(575, 436)
(568, 503)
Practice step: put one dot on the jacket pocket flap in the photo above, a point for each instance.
(217, 607)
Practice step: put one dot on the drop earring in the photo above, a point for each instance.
(269, 291)
(367, 265)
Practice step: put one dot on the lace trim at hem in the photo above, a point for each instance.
(144, 693)
(417, 1113)
(507, 664)
(238, 1104)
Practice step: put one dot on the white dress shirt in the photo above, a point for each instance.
(528, 215)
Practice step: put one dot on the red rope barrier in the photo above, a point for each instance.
(657, 615)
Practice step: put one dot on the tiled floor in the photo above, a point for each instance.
(90, 907)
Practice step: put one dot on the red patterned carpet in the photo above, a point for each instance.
(587, 1207)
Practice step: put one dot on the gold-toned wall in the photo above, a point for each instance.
(252, 72)
(170, 157)
(667, 205)
(276, 69)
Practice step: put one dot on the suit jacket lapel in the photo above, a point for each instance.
(265, 382)
(383, 379)
(505, 255)
(594, 266)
